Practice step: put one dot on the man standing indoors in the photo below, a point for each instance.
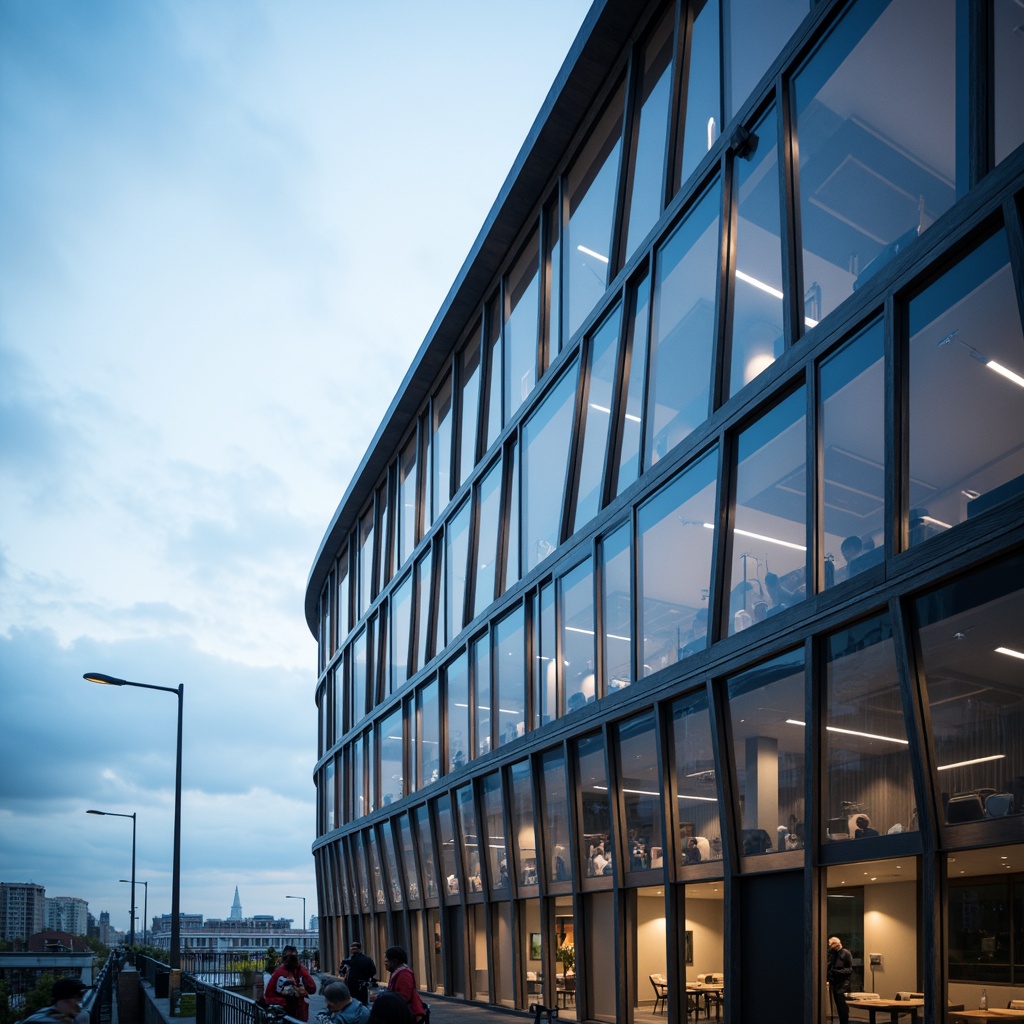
(840, 970)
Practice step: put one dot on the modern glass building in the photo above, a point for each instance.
(674, 620)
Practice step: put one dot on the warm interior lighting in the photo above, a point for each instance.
(1004, 372)
(1010, 651)
(975, 760)
(590, 252)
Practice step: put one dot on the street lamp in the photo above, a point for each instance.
(303, 898)
(145, 907)
(131, 915)
(179, 691)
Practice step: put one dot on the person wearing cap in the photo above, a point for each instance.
(357, 970)
(66, 1005)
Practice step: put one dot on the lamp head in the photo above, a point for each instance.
(95, 812)
(103, 680)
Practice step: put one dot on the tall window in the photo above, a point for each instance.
(480, 663)
(493, 835)
(401, 619)
(632, 383)
(391, 746)
(488, 505)
(429, 738)
(407, 520)
(757, 32)
(640, 783)
(595, 838)
(510, 676)
(578, 619)
(616, 610)
(469, 837)
(769, 542)
(1009, 77)
(412, 873)
(683, 338)
(456, 540)
(524, 818)
(555, 816)
(344, 609)
(966, 393)
(878, 165)
(696, 805)
(460, 744)
(491, 412)
(425, 847)
(469, 404)
(365, 560)
(424, 604)
(703, 103)
(441, 431)
(522, 327)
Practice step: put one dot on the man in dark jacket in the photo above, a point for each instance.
(840, 970)
(66, 1005)
(356, 971)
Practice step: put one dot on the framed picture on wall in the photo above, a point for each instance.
(688, 946)
(534, 945)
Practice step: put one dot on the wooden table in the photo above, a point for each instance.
(893, 1007)
(993, 1014)
(707, 991)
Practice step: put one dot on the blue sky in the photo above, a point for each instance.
(225, 228)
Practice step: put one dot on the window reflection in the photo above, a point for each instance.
(524, 814)
(683, 334)
(441, 478)
(546, 438)
(641, 792)
(758, 293)
(852, 390)
(510, 676)
(456, 539)
(330, 810)
(488, 503)
(391, 746)
(460, 747)
(425, 846)
(966, 393)
(357, 774)
(546, 674)
(676, 540)
(757, 32)
(512, 515)
(616, 610)
(703, 117)
(555, 810)
(401, 621)
(469, 836)
(480, 656)
(522, 302)
(876, 117)
(697, 813)
(632, 383)
(595, 821)
(344, 614)
(576, 590)
(391, 865)
(376, 874)
(359, 666)
(972, 645)
(424, 603)
(591, 186)
(429, 738)
(599, 396)
(412, 887)
(766, 709)
(365, 560)
(1008, 57)
(769, 543)
(870, 790)
(491, 410)
(493, 836)
(362, 874)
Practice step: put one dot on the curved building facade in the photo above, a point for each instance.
(674, 619)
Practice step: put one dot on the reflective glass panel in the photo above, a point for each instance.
(676, 536)
(684, 329)
(651, 134)
(1008, 39)
(469, 404)
(592, 182)
(387, 563)
(766, 708)
(357, 773)
(966, 393)
(641, 792)
(769, 543)
(488, 504)
(378, 898)
(460, 746)
(446, 841)
(576, 591)
(370, 743)
(424, 603)
(512, 516)
(360, 666)
(552, 265)
(391, 865)
(757, 330)
(697, 811)
(758, 30)
(365, 560)
(876, 119)
(869, 787)
(330, 799)
(492, 345)
(522, 302)
(602, 360)
(555, 809)
(412, 886)
(616, 610)
(595, 839)
(971, 634)
(480, 662)
(344, 613)
(456, 542)
(425, 846)
(632, 384)
(469, 836)
(405, 528)
(362, 874)
(391, 746)
(401, 620)
(510, 676)
(546, 699)
(852, 394)
(429, 738)
(524, 817)
(546, 438)
(493, 836)
(703, 104)
(441, 482)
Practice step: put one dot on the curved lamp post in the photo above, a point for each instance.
(179, 691)
(303, 898)
(131, 913)
(145, 906)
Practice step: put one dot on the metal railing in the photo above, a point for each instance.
(98, 1001)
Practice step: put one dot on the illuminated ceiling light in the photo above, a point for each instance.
(1004, 372)
(976, 760)
(704, 799)
(590, 252)
(852, 732)
(1010, 651)
(770, 290)
(770, 540)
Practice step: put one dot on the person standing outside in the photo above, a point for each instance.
(840, 970)
(402, 981)
(356, 971)
(66, 1005)
(342, 1007)
(291, 985)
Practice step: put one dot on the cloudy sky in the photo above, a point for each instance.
(225, 227)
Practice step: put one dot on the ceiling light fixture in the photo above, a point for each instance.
(590, 252)
(964, 764)
(1011, 652)
(769, 290)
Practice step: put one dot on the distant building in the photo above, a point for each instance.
(236, 907)
(104, 927)
(67, 914)
(56, 941)
(22, 909)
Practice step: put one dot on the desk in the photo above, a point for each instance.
(993, 1014)
(893, 1007)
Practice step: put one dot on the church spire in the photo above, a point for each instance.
(236, 908)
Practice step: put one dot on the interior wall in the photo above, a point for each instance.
(890, 928)
(705, 918)
(650, 943)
